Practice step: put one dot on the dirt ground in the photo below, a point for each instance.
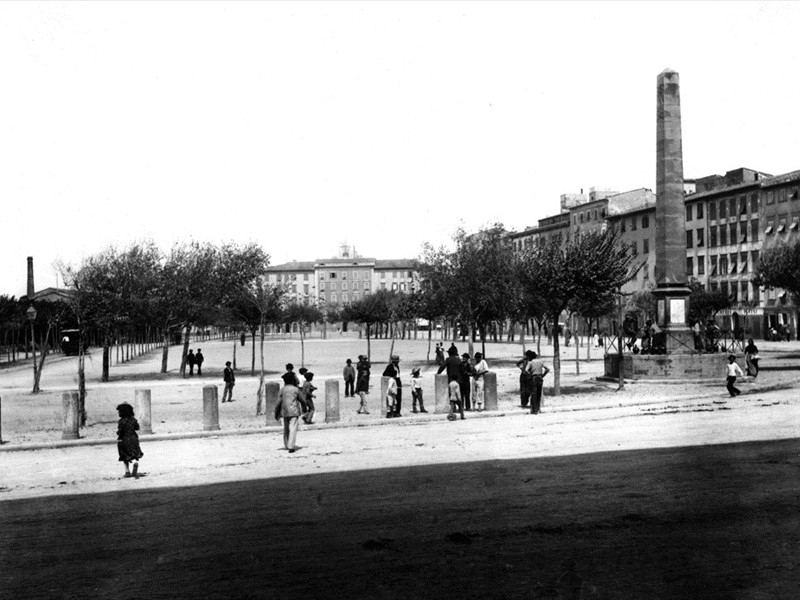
(672, 492)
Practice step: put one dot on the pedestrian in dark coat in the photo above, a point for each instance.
(453, 368)
(349, 375)
(191, 359)
(393, 370)
(128, 440)
(362, 383)
(230, 380)
(465, 380)
(199, 358)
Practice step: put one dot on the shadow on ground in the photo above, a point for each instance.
(682, 523)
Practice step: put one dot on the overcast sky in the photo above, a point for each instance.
(382, 125)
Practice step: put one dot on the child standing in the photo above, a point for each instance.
(128, 440)
(349, 375)
(307, 396)
(416, 391)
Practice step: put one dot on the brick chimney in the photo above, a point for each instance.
(30, 278)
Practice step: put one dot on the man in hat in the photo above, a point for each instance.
(362, 383)
(465, 380)
(230, 380)
(453, 367)
(393, 370)
(537, 370)
(290, 406)
(525, 379)
(290, 371)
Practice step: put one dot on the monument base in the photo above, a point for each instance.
(675, 368)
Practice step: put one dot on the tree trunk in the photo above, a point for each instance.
(577, 350)
(302, 347)
(44, 346)
(106, 358)
(165, 351)
(369, 350)
(185, 350)
(430, 334)
(234, 353)
(260, 391)
(556, 363)
(253, 357)
(81, 381)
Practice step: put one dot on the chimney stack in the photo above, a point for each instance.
(30, 278)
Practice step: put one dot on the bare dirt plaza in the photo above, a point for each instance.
(656, 491)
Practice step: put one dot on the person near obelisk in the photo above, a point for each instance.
(362, 383)
(479, 370)
(453, 366)
(393, 370)
(538, 370)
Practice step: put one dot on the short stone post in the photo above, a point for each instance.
(1, 421)
(382, 400)
(331, 401)
(272, 393)
(440, 394)
(143, 414)
(210, 408)
(490, 391)
(69, 406)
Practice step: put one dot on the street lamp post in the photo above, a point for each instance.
(31, 314)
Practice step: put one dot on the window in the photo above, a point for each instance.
(743, 232)
(321, 286)
(355, 296)
(733, 237)
(645, 246)
(383, 274)
(344, 288)
(634, 249)
(770, 226)
(713, 265)
(743, 262)
(305, 276)
(734, 290)
(344, 274)
(723, 265)
(745, 287)
(723, 235)
(355, 274)
(700, 238)
(754, 258)
(742, 205)
(366, 285)
(732, 203)
(331, 275)
(701, 265)
(603, 212)
(732, 265)
(334, 298)
(321, 277)
(305, 289)
(594, 215)
(753, 203)
(781, 195)
(689, 213)
(344, 297)
(723, 206)
(574, 219)
(689, 266)
(394, 286)
(770, 197)
(795, 223)
(394, 274)
(699, 209)
(645, 221)
(333, 286)
(781, 225)
(794, 195)
(754, 230)
(633, 224)
(383, 285)
(581, 217)
(689, 239)
(712, 237)
(712, 210)
(622, 225)
(756, 294)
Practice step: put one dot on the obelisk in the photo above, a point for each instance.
(672, 292)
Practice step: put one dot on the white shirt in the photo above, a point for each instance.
(734, 369)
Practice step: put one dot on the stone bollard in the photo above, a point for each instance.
(210, 408)
(142, 408)
(331, 401)
(382, 410)
(440, 394)
(490, 391)
(69, 405)
(272, 394)
(1, 421)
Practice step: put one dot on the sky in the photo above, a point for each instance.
(303, 126)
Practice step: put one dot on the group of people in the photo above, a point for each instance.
(195, 360)
(465, 381)
(532, 372)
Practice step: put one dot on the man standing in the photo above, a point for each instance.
(480, 369)
(362, 383)
(190, 360)
(393, 370)
(453, 366)
(199, 358)
(465, 381)
(538, 370)
(525, 382)
(290, 407)
(230, 380)
(349, 374)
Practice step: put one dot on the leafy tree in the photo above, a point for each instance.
(704, 304)
(304, 315)
(370, 310)
(594, 263)
(642, 302)
(779, 267)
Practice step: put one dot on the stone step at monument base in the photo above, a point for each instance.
(670, 367)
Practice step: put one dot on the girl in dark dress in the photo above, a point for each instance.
(128, 440)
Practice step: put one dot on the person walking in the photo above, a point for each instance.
(751, 358)
(439, 354)
(465, 380)
(733, 370)
(479, 370)
(349, 375)
(289, 407)
(537, 370)
(191, 359)
(393, 370)
(453, 368)
(128, 440)
(416, 391)
(525, 382)
(362, 383)
(230, 380)
(199, 358)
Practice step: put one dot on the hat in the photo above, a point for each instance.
(452, 351)
(530, 354)
(308, 375)
(287, 378)
(415, 371)
(302, 370)
(394, 357)
(289, 366)
(228, 364)
(349, 362)
(465, 355)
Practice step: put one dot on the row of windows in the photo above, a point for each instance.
(343, 286)
(728, 207)
(645, 223)
(588, 215)
(743, 291)
(781, 195)
(781, 225)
